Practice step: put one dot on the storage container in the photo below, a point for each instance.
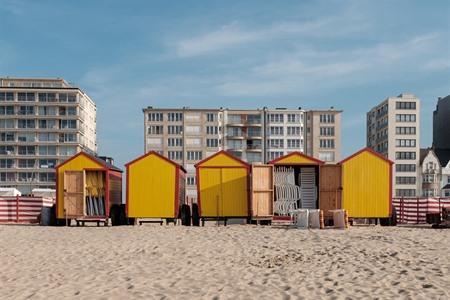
(367, 185)
(223, 187)
(87, 188)
(155, 187)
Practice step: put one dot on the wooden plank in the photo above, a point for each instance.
(330, 189)
(262, 188)
(74, 193)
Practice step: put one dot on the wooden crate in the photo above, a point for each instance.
(262, 196)
(330, 189)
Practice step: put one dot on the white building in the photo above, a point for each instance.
(393, 129)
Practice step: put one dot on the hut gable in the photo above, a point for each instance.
(153, 157)
(366, 154)
(222, 159)
(296, 158)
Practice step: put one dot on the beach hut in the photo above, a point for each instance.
(262, 192)
(88, 189)
(367, 185)
(296, 182)
(223, 187)
(155, 187)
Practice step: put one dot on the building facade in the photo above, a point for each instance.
(393, 130)
(42, 123)
(441, 129)
(187, 135)
(323, 135)
(430, 174)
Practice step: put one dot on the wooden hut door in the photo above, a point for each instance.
(74, 193)
(262, 190)
(330, 188)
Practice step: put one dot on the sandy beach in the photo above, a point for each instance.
(223, 262)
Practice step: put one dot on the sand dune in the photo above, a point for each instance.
(223, 262)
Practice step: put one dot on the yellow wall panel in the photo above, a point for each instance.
(366, 186)
(151, 188)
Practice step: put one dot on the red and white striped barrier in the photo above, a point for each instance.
(415, 210)
(20, 209)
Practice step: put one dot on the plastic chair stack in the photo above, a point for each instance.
(287, 192)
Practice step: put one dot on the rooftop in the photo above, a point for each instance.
(34, 82)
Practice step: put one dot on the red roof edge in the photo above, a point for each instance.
(225, 153)
(158, 155)
(370, 150)
(318, 161)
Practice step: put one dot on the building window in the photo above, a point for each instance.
(276, 130)
(212, 130)
(276, 118)
(47, 124)
(428, 193)
(26, 97)
(405, 130)
(175, 142)
(326, 156)
(6, 163)
(294, 130)
(68, 124)
(326, 118)
(194, 155)
(67, 150)
(175, 155)
(446, 193)
(155, 117)
(7, 137)
(47, 150)
(326, 143)
(293, 118)
(293, 143)
(175, 117)
(212, 143)
(405, 118)
(47, 177)
(6, 124)
(405, 180)
(253, 157)
(26, 176)
(275, 154)
(327, 131)
(67, 138)
(405, 155)
(26, 163)
(174, 129)
(47, 163)
(211, 117)
(6, 96)
(155, 129)
(26, 110)
(7, 110)
(405, 105)
(428, 178)
(276, 143)
(7, 177)
(7, 150)
(26, 150)
(71, 98)
(190, 180)
(405, 142)
(405, 168)
(26, 137)
(30, 124)
(405, 193)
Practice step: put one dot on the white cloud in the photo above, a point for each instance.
(437, 64)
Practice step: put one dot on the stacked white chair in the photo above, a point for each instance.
(287, 192)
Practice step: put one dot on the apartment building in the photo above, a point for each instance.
(42, 123)
(323, 134)
(187, 135)
(393, 129)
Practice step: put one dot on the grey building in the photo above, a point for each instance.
(441, 121)
(42, 123)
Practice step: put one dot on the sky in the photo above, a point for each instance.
(127, 55)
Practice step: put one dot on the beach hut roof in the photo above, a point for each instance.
(158, 155)
(296, 157)
(369, 150)
(225, 153)
(93, 158)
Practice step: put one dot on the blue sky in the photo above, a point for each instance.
(315, 54)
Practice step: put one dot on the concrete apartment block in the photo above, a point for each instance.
(42, 123)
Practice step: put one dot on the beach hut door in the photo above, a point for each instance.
(74, 193)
